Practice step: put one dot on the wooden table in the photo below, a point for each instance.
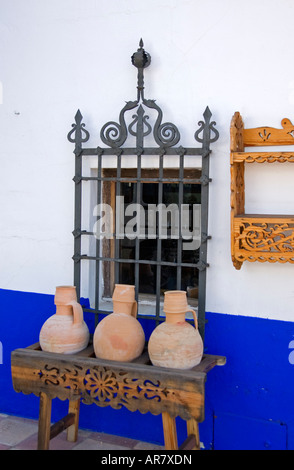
(137, 386)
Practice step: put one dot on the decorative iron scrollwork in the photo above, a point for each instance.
(115, 134)
(206, 127)
(166, 134)
(79, 132)
(140, 119)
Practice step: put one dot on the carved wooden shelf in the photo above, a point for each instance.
(136, 386)
(258, 237)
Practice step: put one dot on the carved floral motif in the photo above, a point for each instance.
(105, 386)
(101, 384)
(136, 386)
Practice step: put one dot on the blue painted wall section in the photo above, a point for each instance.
(249, 401)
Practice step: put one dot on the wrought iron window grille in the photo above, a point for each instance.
(166, 137)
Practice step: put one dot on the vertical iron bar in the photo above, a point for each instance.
(97, 277)
(137, 239)
(78, 221)
(78, 135)
(180, 242)
(139, 143)
(204, 229)
(159, 243)
(117, 239)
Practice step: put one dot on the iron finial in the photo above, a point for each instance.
(141, 59)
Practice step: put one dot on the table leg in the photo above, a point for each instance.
(44, 422)
(169, 432)
(72, 431)
(193, 429)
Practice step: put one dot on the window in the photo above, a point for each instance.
(156, 272)
(154, 234)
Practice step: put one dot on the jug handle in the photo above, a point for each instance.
(78, 316)
(195, 317)
(134, 309)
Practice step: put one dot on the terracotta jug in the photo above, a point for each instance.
(119, 336)
(65, 331)
(175, 343)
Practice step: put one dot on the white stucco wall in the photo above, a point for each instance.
(60, 55)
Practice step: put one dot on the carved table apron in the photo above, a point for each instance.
(137, 386)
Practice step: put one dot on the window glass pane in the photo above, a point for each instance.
(169, 245)
(126, 273)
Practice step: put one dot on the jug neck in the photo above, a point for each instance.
(175, 317)
(129, 308)
(64, 310)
